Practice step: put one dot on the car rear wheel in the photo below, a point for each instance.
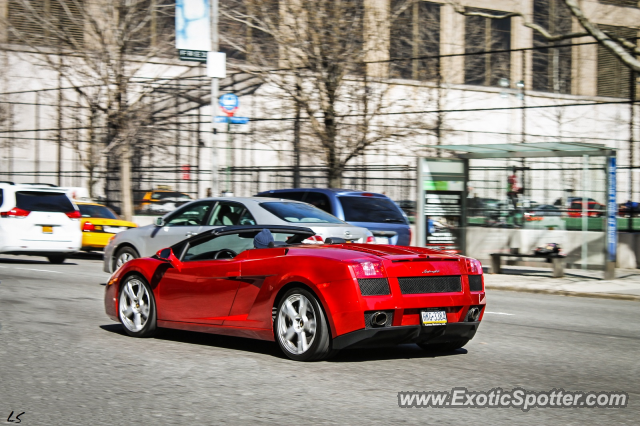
(57, 259)
(124, 255)
(444, 347)
(137, 307)
(301, 329)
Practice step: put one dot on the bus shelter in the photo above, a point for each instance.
(518, 198)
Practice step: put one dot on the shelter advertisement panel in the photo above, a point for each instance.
(442, 193)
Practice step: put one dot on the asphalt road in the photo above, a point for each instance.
(62, 361)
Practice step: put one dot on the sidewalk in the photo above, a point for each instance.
(576, 282)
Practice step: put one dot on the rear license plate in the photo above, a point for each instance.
(113, 229)
(382, 240)
(434, 317)
(47, 229)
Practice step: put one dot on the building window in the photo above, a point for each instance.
(552, 66)
(45, 23)
(415, 32)
(614, 77)
(487, 35)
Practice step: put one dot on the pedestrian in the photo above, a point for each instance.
(512, 187)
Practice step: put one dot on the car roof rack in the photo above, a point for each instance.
(8, 182)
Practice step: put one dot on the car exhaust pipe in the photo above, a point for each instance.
(379, 319)
(473, 314)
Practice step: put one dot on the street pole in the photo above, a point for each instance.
(229, 147)
(215, 190)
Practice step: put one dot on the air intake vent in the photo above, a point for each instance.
(421, 285)
(374, 286)
(475, 282)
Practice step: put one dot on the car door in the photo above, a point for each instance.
(181, 224)
(204, 289)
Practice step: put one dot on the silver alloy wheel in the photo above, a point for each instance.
(123, 258)
(297, 324)
(134, 305)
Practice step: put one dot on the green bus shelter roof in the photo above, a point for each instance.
(520, 150)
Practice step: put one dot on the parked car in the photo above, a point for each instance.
(312, 300)
(201, 215)
(98, 224)
(38, 221)
(546, 210)
(594, 209)
(376, 212)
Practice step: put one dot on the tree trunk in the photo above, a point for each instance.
(334, 171)
(125, 183)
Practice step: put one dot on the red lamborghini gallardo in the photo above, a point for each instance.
(313, 300)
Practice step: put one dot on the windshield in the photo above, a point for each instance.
(370, 209)
(299, 213)
(87, 210)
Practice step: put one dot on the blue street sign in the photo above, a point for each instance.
(233, 120)
(612, 222)
(229, 102)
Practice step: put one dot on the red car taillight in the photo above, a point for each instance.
(371, 239)
(474, 267)
(88, 227)
(16, 213)
(74, 214)
(363, 268)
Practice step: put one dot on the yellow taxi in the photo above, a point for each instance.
(161, 196)
(98, 224)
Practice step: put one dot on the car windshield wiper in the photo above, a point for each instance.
(394, 220)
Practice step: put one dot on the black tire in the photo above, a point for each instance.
(320, 347)
(124, 252)
(444, 347)
(150, 326)
(57, 259)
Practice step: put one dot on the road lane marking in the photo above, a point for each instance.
(39, 270)
(498, 313)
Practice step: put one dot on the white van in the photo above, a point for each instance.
(38, 221)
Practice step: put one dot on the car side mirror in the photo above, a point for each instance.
(166, 254)
(159, 222)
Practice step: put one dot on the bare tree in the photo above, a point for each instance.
(101, 48)
(314, 53)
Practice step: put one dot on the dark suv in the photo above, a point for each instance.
(375, 212)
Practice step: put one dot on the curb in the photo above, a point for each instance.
(612, 296)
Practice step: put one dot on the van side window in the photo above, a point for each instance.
(1, 197)
(318, 200)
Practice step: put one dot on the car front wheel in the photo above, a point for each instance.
(301, 329)
(137, 307)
